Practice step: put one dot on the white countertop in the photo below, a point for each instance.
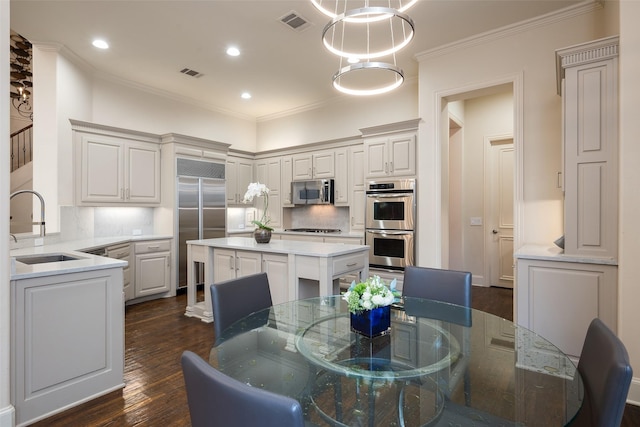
(353, 234)
(316, 249)
(554, 253)
(86, 262)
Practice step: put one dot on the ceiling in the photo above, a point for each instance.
(285, 70)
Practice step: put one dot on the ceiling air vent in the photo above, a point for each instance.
(295, 21)
(190, 72)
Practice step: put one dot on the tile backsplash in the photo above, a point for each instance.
(85, 222)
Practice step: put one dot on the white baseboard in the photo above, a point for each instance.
(634, 392)
(7, 416)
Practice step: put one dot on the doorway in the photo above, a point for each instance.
(480, 187)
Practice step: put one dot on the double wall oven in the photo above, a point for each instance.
(390, 223)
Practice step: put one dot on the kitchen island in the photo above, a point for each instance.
(295, 269)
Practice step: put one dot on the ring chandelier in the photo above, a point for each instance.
(367, 34)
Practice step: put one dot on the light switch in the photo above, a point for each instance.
(476, 220)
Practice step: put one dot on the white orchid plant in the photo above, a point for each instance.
(255, 189)
(372, 293)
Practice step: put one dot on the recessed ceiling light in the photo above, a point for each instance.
(100, 44)
(233, 51)
(246, 95)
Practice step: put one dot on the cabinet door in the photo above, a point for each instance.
(152, 273)
(324, 165)
(143, 173)
(245, 177)
(287, 178)
(248, 263)
(376, 161)
(402, 155)
(224, 265)
(357, 187)
(342, 177)
(101, 174)
(231, 175)
(276, 267)
(302, 167)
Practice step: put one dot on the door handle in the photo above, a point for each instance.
(494, 231)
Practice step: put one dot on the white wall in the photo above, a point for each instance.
(6, 409)
(527, 54)
(339, 119)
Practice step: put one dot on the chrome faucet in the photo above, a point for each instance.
(41, 223)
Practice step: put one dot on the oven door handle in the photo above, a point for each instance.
(391, 232)
(389, 195)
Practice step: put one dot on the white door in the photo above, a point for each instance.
(499, 238)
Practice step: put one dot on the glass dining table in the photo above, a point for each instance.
(438, 365)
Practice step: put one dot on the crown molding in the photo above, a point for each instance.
(510, 30)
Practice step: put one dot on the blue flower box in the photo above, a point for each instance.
(372, 323)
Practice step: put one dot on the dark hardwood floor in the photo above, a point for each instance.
(156, 334)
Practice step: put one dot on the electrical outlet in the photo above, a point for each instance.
(250, 216)
(137, 232)
(38, 242)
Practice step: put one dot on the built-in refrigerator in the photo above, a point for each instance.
(201, 207)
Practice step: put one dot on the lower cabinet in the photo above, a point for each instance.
(67, 341)
(230, 264)
(123, 252)
(558, 300)
(152, 267)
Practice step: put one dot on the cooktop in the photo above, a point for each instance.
(314, 230)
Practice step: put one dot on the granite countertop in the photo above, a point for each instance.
(554, 253)
(73, 248)
(316, 249)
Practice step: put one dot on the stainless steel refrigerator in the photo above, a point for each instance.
(201, 207)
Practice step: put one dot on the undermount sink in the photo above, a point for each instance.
(42, 259)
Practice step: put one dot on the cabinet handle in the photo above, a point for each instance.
(386, 167)
(237, 263)
(352, 264)
(391, 167)
(310, 172)
(122, 193)
(231, 266)
(352, 221)
(153, 247)
(127, 193)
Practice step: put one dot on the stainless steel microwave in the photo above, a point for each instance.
(316, 192)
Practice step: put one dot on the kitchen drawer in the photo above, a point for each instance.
(348, 263)
(152, 246)
(119, 252)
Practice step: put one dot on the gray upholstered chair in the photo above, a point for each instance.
(216, 399)
(234, 299)
(606, 374)
(449, 286)
(453, 287)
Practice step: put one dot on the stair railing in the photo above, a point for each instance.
(21, 147)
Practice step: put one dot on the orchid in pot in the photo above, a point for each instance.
(262, 233)
(369, 304)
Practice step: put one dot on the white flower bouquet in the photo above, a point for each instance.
(368, 295)
(255, 189)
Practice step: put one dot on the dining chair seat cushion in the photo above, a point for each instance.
(216, 399)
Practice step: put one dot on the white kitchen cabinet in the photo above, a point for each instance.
(239, 175)
(269, 172)
(230, 264)
(558, 300)
(390, 156)
(152, 268)
(116, 170)
(587, 76)
(277, 268)
(287, 178)
(341, 189)
(319, 165)
(123, 252)
(357, 187)
(67, 341)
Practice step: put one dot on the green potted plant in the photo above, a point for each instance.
(262, 233)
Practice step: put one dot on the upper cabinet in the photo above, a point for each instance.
(313, 166)
(286, 163)
(239, 175)
(115, 168)
(357, 187)
(587, 80)
(390, 155)
(268, 172)
(341, 188)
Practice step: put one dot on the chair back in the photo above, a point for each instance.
(216, 399)
(606, 375)
(234, 299)
(449, 286)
